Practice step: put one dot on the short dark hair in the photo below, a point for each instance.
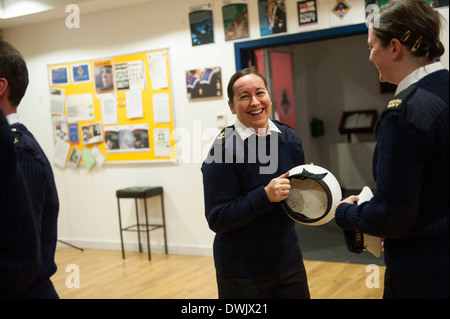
(237, 76)
(415, 23)
(14, 69)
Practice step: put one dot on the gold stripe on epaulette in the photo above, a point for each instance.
(221, 135)
(394, 103)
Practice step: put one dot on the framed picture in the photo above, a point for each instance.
(92, 133)
(201, 83)
(358, 121)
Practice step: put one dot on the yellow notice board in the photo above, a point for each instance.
(118, 108)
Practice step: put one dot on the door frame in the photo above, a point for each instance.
(241, 49)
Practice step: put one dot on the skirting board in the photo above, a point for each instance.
(157, 248)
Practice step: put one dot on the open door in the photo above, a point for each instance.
(277, 68)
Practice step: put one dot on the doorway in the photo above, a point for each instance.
(331, 74)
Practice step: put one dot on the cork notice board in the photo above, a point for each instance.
(117, 108)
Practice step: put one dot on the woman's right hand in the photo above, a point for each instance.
(278, 188)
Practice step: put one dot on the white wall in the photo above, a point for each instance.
(88, 214)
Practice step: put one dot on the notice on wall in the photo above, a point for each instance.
(107, 110)
(158, 70)
(80, 107)
(134, 104)
(130, 75)
(161, 108)
(57, 97)
(161, 142)
(61, 151)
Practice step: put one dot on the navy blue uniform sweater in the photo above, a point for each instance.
(254, 237)
(29, 220)
(410, 207)
(18, 244)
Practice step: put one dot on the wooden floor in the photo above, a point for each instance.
(103, 274)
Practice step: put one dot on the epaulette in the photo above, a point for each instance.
(221, 135)
(396, 104)
(17, 137)
(281, 123)
(398, 101)
(224, 134)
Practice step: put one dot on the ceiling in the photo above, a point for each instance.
(14, 13)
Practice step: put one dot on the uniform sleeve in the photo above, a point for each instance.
(226, 207)
(399, 166)
(18, 233)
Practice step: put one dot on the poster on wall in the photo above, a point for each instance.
(59, 75)
(103, 74)
(201, 23)
(235, 19)
(81, 73)
(92, 133)
(60, 127)
(341, 13)
(283, 87)
(206, 82)
(74, 138)
(127, 138)
(130, 75)
(307, 13)
(74, 157)
(272, 16)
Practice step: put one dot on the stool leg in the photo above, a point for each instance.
(137, 224)
(164, 222)
(120, 226)
(147, 230)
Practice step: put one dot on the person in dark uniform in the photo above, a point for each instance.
(256, 250)
(410, 207)
(29, 202)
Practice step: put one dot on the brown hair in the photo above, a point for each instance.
(237, 76)
(415, 23)
(14, 69)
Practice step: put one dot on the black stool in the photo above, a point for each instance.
(141, 192)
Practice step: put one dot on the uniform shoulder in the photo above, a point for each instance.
(418, 106)
(281, 125)
(224, 134)
(287, 132)
(398, 101)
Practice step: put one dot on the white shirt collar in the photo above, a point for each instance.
(418, 74)
(12, 118)
(245, 132)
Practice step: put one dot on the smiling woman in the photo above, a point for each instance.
(256, 251)
(249, 99)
